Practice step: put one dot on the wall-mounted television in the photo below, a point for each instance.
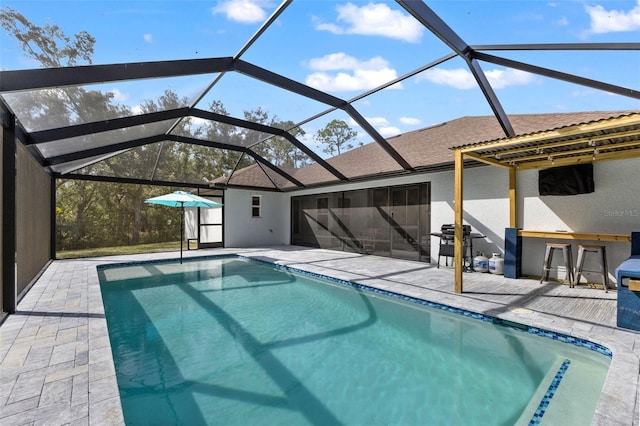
(566, 180)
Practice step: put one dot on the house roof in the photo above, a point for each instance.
(427, 149)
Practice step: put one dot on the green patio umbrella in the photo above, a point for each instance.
(182, 199)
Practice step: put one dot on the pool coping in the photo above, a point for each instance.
(617, 404)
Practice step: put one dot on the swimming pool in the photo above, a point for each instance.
(233, 341)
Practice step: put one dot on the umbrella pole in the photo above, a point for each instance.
(181, 222)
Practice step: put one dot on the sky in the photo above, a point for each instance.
(347, 48)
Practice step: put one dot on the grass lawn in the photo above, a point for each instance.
(110, 251)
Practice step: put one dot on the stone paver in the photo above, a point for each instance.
(56, 365)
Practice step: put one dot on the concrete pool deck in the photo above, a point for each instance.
(56, 365)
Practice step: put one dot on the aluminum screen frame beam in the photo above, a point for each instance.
(137, 120)
(558, 46)
(21, 80)
(427, 17)
(558, 75)
(115, 148)
(208, 115)
(115, 179)
(73, 131)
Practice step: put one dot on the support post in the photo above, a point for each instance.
(8, 141)
(54, 222)
(513, 213)
(458, 253)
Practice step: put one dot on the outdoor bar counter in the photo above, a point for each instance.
(513, 244)
(628, 311)
(566, 235)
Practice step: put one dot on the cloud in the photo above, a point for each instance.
(243, 11)
(389, 131)
(374, 19)
(609, 21)
(118, 95)
(461, 78)
(563, 22)
(339, 72)
(410, 121)
(500, 79)
(148, 38)
(583, 92)
(458, 78)
(378, 121)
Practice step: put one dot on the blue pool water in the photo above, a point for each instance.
(232, 341)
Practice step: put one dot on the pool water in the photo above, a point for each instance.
(232, 341)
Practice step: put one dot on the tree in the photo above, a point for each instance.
(335, 136)
(276, 149)
(42, 43)
(51, 48)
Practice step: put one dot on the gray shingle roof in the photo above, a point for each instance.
(425, 149)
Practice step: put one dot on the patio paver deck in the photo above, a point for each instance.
(56, 365)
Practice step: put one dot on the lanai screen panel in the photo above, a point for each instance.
(78, 144)
(242, 96)
(613, 84)
(135, 163)
(43, 109)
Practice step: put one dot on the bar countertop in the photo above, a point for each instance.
(569, 235)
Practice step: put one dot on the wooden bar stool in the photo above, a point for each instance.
(583, 249)
(568, 261)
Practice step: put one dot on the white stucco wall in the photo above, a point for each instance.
(614, 207)
(271, 228)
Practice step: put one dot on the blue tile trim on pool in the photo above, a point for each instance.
(546, 399)
(576, 341)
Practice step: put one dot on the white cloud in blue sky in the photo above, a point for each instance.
(381, 124)
(461, 78)
(243, 11)
(374, 19)
(349, 73)
(608, 21)
(148, 38)
(410, 121)
(119, 96)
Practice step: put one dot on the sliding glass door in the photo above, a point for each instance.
(409, 222)
(385, 221)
